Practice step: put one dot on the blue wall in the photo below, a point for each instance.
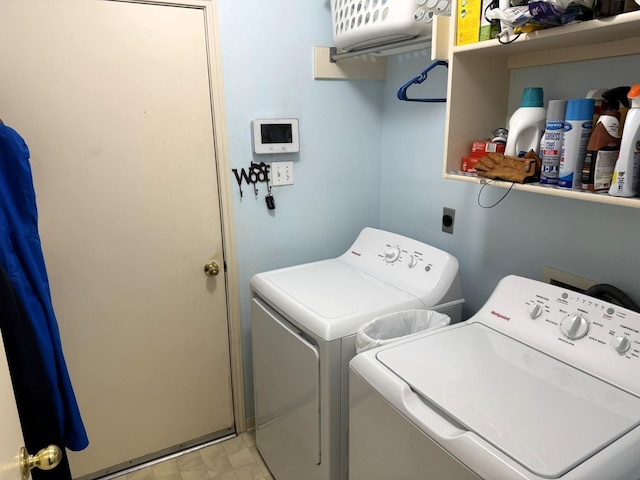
(525, 231)
(369, 159)
(267, 50)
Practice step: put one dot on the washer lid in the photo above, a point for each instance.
(544, 414)
(329, 297)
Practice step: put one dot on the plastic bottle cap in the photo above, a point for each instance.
(634, 92)
(614, 97)
(556, 110)
(532, 97)
(580, 109)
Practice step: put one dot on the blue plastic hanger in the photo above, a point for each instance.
(402, 91)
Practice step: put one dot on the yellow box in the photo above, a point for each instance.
(468, 21)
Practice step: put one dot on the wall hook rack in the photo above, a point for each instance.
(258, 172)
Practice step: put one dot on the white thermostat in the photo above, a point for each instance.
(275, 135)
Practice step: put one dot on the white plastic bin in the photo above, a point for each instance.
(364, 23)
(393, 326)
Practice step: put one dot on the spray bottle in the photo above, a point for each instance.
(527, 123)
(604, 142)
(625, 175)
(596, 94)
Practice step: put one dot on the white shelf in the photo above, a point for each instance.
(479, 76)
(546, 190)
(599, 38)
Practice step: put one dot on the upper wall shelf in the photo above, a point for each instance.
(611, 36)
(480, 74)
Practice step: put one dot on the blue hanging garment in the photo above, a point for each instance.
(36, 409)
(22, 259)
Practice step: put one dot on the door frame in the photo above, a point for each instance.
(221, 149)
(221, 146)
(226, 210)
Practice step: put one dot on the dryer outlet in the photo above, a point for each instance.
(448, 216)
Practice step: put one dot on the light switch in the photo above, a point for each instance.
(281, 173)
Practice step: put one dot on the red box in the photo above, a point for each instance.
(480, 149)
(469, 163)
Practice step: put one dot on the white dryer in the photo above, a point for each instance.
(541, 383)
(304, 323)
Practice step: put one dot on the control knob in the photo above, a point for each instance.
(535, 311)
(574, 326)
(413, 261)
(621, 344)
(392, 254)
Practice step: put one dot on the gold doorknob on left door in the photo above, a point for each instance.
(46, 459)
(211, 269)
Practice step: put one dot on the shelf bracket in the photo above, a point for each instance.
(369, 63)
(363, 67)
(402, 46)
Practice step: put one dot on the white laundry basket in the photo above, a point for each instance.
(365, 23)
(393, 326)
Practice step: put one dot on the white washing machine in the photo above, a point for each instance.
(304, 322)
(542, 383)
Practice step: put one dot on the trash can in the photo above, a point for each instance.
(393, 326)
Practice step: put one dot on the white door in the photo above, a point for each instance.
(114, 101)
(11, 439)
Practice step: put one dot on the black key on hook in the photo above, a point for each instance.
(271, 203)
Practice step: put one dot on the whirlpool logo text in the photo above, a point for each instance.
(499, 315)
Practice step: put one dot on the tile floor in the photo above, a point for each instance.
(233, 459)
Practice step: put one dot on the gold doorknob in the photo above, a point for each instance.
(46, 459)
(211, 269)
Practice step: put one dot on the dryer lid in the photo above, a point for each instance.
(330, 298)
(544, 414)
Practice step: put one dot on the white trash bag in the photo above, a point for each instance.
(391, 327)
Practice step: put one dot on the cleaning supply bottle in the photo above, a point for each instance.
(596, 94)
(527, 123)
(625, 175)
(577, 129)
(551, 144)
(604, 142)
